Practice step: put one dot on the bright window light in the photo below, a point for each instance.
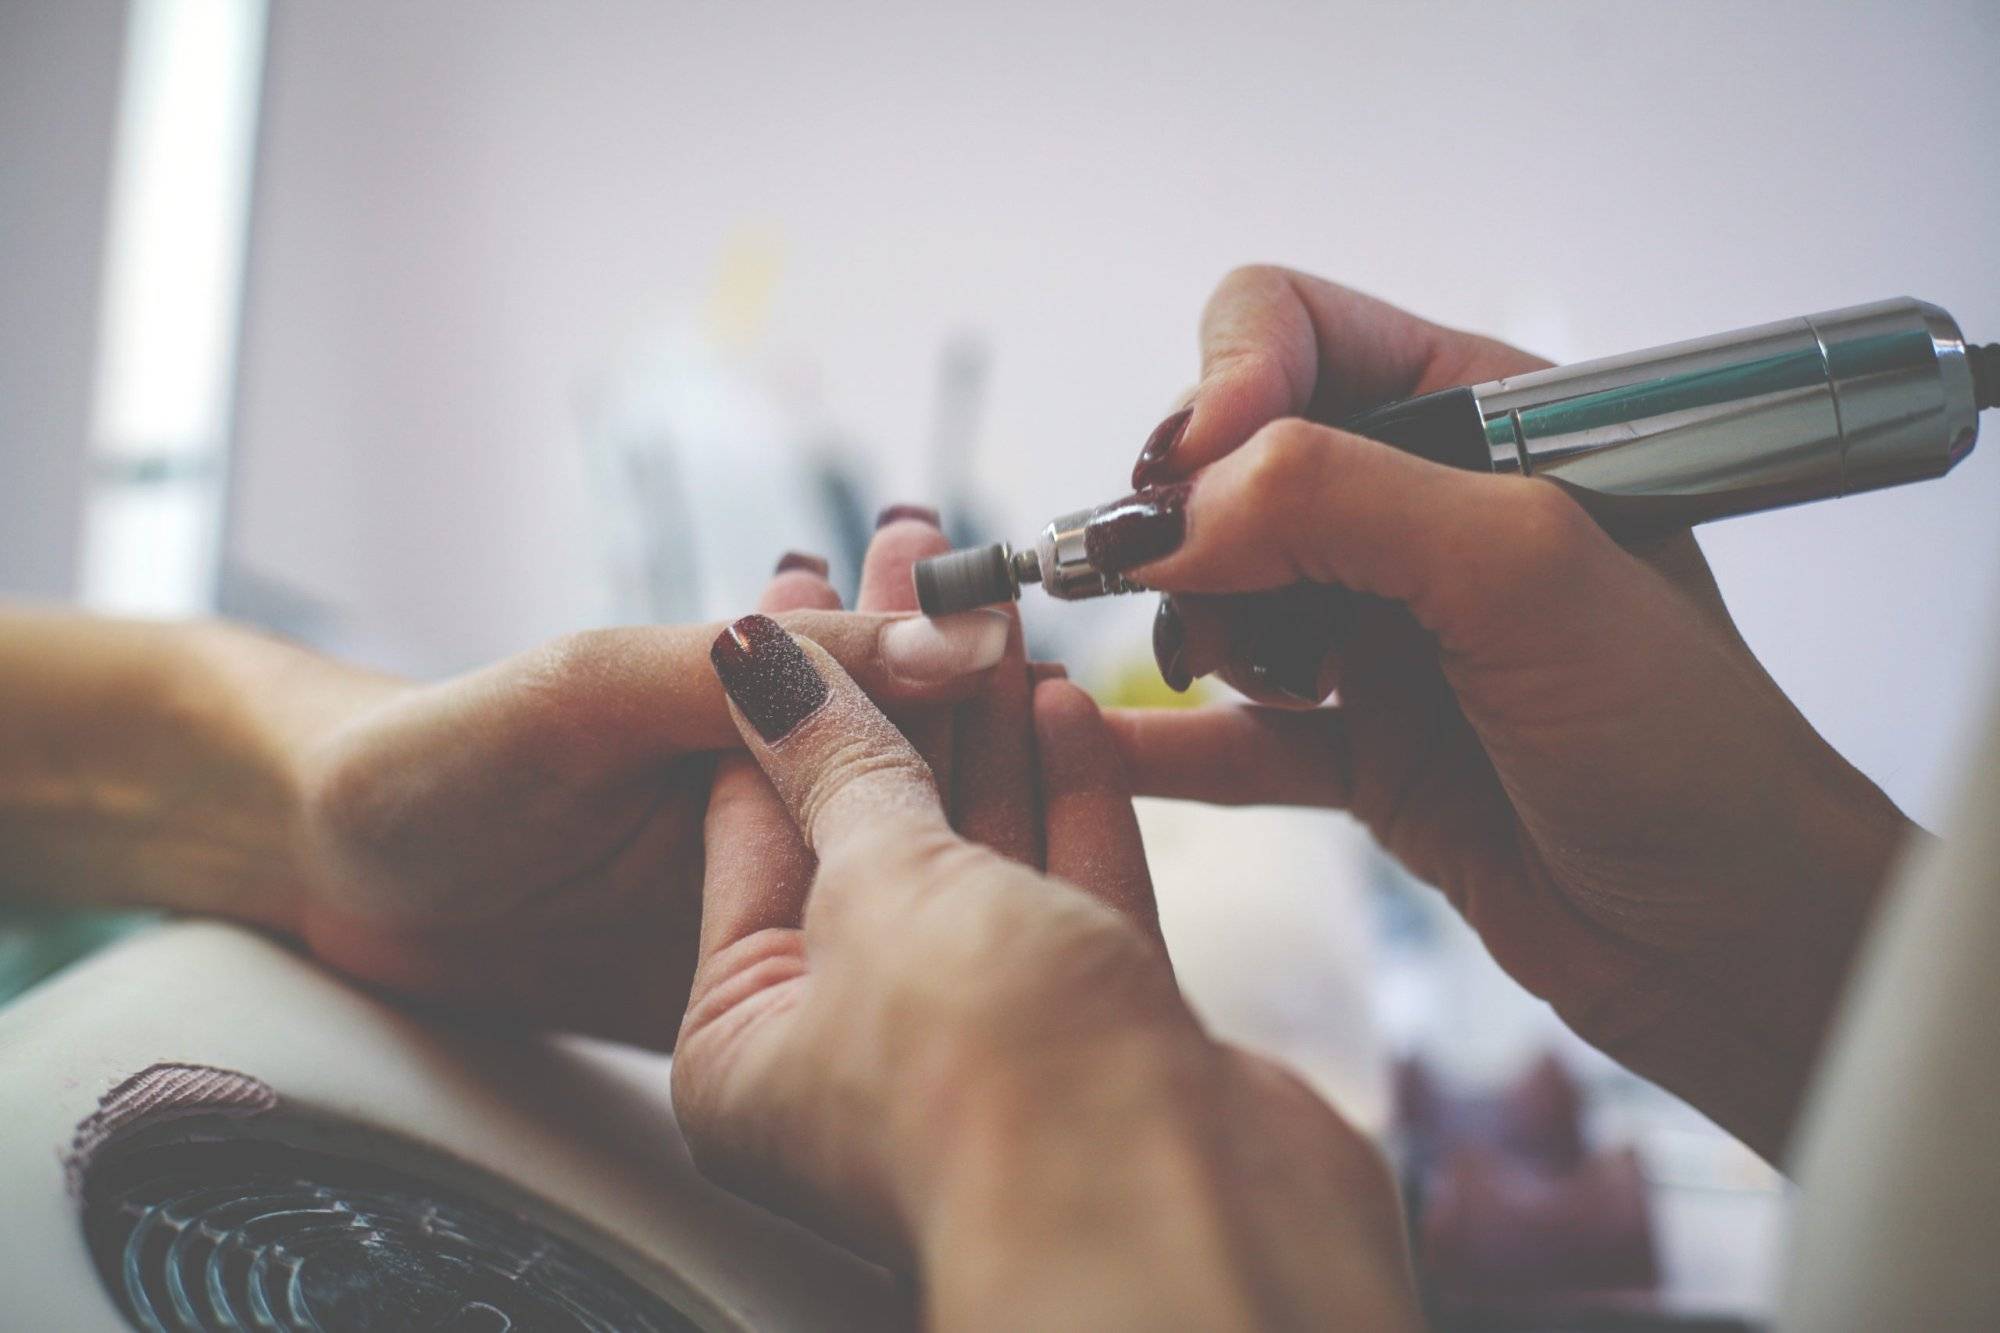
(173, 280)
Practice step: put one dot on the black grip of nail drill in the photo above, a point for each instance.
(1446, 427)
(1289, 631)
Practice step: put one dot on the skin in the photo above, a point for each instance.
(968, 1055)
(986, 1073)
(1569, 738)
(521, 843)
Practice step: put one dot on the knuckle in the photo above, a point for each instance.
(577, 659)
(1028, 968)
(1529, 540)
(889, 853)
(1251, 289)
(569, 687)
(1550, 530)
(1255, 278)
(888, 870)
(1291, 466)
(854, 762)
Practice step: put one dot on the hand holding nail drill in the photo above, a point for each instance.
(1566, 735)
(953, 1061)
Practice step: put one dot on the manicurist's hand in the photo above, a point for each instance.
(524, 841)
(1566, 736)
(939, 1054)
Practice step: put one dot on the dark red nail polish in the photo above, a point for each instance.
(1151, 466)
(921, 513)
(1288, 680)
(1170, 647)
(771, 680)
(1140, 528)
(791, 560)
(1290, 631)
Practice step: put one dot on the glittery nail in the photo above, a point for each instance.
(1142, 527)
(774, 683)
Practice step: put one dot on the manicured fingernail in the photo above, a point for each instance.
(1152, 464)
(1292, 679)
(774, 683)
(1142, 527)
(926, 651)
(921, 513)
(1041, 671)
(1290, 635)
(791, 560)
(1170, 646)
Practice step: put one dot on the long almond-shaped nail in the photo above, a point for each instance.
(921, 513)
(774, 683)
(1138, 529)
(805, 560)
(1152, 464)
(1170, 646)
(926, 651)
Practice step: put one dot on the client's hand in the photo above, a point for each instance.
(1567, 737)
(932, 1050)
(527, 840)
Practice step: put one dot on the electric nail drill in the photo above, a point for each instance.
(1804, 409)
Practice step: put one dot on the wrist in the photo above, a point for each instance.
(265, 708)
(154, 764)
(1091, 1192)
(1738, 1026)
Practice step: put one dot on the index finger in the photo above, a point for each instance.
(621, 700)
(1277, 343)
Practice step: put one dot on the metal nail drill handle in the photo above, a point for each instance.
(1804, 409)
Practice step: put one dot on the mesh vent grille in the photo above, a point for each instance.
(250, 1234)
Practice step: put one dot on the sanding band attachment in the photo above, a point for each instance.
(964, 580)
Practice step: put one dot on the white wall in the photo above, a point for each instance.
(466, 208)
(59, 67)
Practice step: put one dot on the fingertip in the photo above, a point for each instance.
(798, 589)
(844, 765)
(1156, 462)
(805, 560)
(1077, 749)
(897, 513)
(928, 650)
(1061, 700)
(903, 539)
(772, 684)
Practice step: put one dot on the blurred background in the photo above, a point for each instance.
(429, 332)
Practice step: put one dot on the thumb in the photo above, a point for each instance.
(1307, 502)
(846, 774)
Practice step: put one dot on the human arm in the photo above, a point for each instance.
(1568, 737)
(498, 842)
